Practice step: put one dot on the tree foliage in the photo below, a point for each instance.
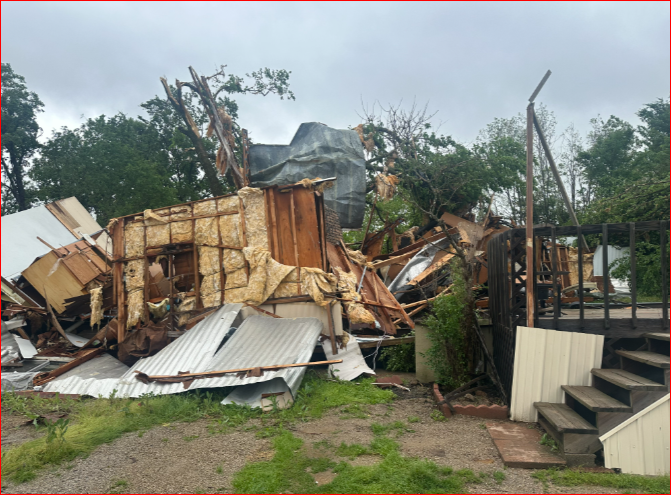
(115, 166)
(20, 133)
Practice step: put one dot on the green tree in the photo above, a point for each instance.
(20, 132)
(115, 166)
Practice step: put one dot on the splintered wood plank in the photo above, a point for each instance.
(287, 254)
(307, 228)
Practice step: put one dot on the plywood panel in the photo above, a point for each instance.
(287, 255)
(58, 287)
(307, 229)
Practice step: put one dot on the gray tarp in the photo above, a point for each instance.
(317, 151)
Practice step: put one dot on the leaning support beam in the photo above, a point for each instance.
(531, 305)
(555, 172)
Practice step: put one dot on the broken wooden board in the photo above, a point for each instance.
(519, 446)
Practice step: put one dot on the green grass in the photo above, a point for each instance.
(414, 419)
(96, 422)
(625, 482)
(499, 477)
(289, 471)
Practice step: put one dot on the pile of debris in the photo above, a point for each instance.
(244, 290)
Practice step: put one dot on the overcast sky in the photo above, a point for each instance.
(472, 62)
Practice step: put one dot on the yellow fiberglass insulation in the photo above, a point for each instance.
(315, 282)
(255, 217)
(181, 231)
(265, 275)
(347, 285)
(207, 232)
(134, 240)
(286, 290)
(234, 260)
(187, 304)
(134, 272)
(358, 257)
(208, 260)
(228, 204)
(211, 284)
(231, 232)
(236, 295)
(211, 301)
(135, 307)
(158, 230)
(202, 208)
(96, 305)
(236, 279)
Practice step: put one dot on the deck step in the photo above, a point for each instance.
(564, 419)
(595, 400)
(646, 357)
(657, 336)
(628, 381)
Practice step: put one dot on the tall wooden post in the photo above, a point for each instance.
(530, 216)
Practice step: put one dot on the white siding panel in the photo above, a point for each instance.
(640, 445)
(544, 361)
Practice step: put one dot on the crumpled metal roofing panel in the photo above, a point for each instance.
(262, 341)
(190, 353)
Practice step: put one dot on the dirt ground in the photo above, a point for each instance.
(189, 458)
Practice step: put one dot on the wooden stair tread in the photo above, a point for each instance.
(647, 357)
(628, 381)
(595, 400)
(565, 419)
(657, 336)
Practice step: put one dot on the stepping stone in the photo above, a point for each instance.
(519, 446)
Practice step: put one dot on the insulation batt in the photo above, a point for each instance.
(347, 285)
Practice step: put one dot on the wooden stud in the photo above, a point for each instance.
(295, 240)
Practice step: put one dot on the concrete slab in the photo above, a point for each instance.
(519, 446)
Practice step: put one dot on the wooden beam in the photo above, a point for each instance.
(396, 259)
(387, 342)
(79, 360)
(530, 209)
(214, 374)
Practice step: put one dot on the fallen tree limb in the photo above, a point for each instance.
(419, 303)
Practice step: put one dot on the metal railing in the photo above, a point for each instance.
(507, 268)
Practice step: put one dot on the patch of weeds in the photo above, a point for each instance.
(436, 415)
(398, 426)
(629, 482)
(220, 469)
(468, 476)
(499, 477)
(352, 451)
(355, 411)
(269, 432)
(191, 438)
(482, 426)
(414, 419)
(165, 440)
(119, 486)
(287, 473)
(383, 446)
(548, 441)
(322, 445)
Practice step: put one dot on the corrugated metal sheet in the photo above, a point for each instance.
(10, 347)
(353, 365)
(420, 262)
(640, 445)
(260, 342)
(544, 361)
(191, 353)
(614, 253)
(308, 310)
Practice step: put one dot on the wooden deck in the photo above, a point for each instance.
(621, 326)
